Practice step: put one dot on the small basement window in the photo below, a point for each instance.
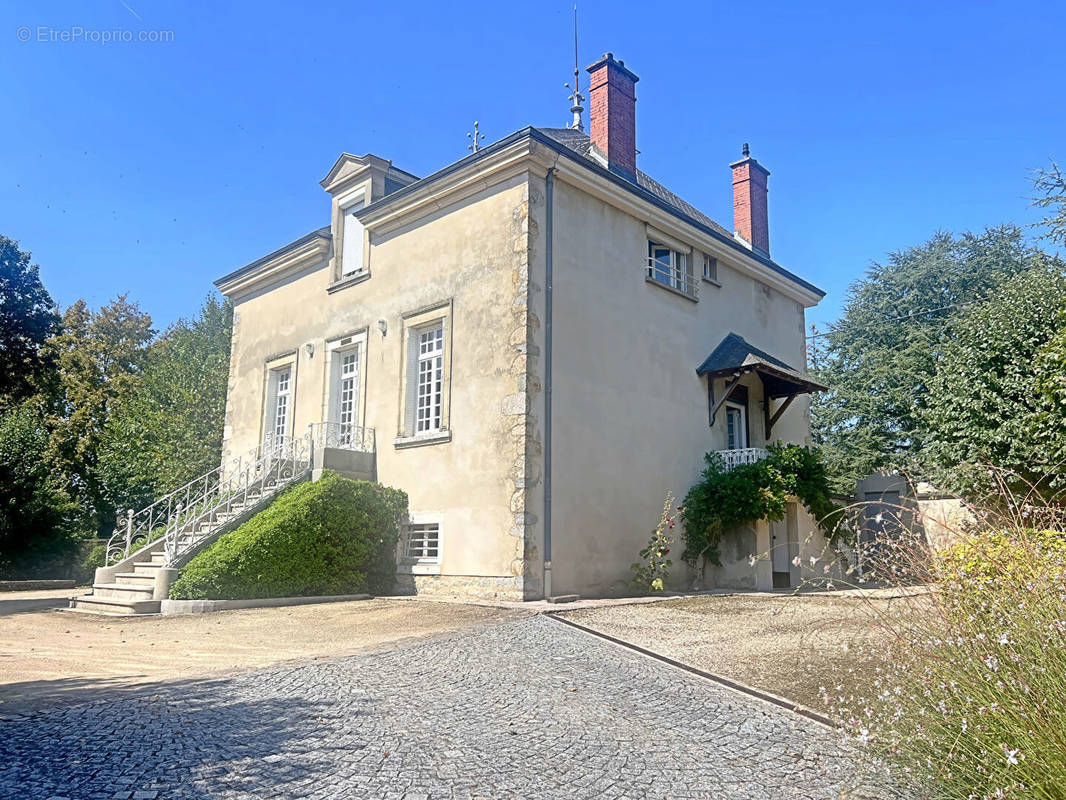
(423, 541)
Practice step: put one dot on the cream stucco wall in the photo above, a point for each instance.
(630, 415)
(464, 259)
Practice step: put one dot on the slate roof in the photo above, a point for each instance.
(580, 142)
(734, 354)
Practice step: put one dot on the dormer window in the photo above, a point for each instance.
(352, 242)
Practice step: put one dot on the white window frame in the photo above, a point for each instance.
(428, 376)
(670, 267)
(276, 391)
(742, 432)
(353, 235)
(418, 364)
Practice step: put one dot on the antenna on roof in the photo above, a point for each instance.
(475, 137)
(576, 98)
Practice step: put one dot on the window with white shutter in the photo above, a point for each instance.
(352, 242)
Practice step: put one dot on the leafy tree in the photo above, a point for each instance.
(1050, 185)
(998, 396)
(34, 511)
(99, 356)
(168, 429)
(27, 318)
(879, 357)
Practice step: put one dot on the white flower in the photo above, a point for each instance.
(992, 662)
(1003, 639)
(1011, 755)
(752, 560)
(864, 737)
(814, 560)
(796, 561)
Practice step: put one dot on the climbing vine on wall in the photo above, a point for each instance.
(726, 499)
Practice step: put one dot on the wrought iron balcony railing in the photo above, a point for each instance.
(343, 436)
(746, 455)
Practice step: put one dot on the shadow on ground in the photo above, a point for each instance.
(155, 738)
(17, 605)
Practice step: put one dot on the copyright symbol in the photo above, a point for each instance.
(23, 34)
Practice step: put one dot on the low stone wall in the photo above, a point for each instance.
(480, 587)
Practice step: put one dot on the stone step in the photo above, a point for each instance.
(121, 591)
(135, 578)
(147, 568)
(96, 605)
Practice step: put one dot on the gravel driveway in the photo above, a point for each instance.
(521, 708)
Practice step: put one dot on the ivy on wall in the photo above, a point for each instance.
(726, 499)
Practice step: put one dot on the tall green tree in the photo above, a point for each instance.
(35, 511)
(880, 356)
(99, 357)
(27, 318)
(168, 429)
(998, 397)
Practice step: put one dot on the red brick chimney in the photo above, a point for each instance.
(612, 113)
(749, 202)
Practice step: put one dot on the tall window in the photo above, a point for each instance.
(347, 393)
(430, 379)
(282, 406)
(352, 252)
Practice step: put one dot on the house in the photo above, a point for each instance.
(536, 343)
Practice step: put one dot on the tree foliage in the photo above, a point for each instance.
(879, 358)
(167, 429)
(99, 356)
(34, 510)
(998, 396)
(27, 318)
(1050, 185)
(724, 499)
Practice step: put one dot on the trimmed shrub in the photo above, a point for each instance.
(333, 536)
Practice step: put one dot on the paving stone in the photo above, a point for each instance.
(524, 708)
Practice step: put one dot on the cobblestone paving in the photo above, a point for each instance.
(524, 709)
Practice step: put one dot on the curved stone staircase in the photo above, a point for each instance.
(146, 553)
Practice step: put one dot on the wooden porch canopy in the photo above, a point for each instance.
(734, 357)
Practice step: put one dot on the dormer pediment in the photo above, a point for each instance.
(349, 169)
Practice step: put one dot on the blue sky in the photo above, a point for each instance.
(154, 168)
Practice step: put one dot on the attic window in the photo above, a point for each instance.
(352, 242)
(710, 269)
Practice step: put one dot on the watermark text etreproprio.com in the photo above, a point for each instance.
(76, 34)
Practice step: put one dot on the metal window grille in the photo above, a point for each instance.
(423, 540)
(430, 380)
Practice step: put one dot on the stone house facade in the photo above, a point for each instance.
(536, 343)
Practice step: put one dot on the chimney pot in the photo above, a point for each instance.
(750, 218)
(612, 113)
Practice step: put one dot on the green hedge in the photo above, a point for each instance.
(333, 536)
